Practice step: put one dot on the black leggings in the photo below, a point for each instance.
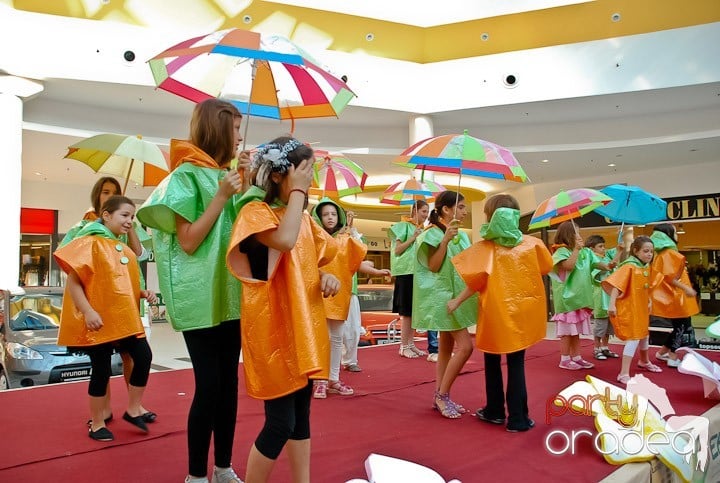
(516, 395)
(286, 418)
(100, 359)
(675, 337)
(215, 353)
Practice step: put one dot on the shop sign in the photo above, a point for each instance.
(697, 207)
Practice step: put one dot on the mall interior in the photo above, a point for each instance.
(584, 93)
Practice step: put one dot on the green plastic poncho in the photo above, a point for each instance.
(403, 264)
(198, 290)
(432, 290)
(601, 299)
(572, 290)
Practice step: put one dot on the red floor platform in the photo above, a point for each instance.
(44, 436)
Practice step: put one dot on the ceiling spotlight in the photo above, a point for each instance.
(544, 161)
(247, 19)
(612, 165)
(615, 17)
(484, 36)
(510, 80)
(680, 230)
(369, 37)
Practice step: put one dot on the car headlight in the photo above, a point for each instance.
(19, 351)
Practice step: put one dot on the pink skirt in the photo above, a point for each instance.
(576, 322)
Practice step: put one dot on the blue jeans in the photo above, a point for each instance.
(432, 337)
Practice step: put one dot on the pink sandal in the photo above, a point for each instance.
(649, 366)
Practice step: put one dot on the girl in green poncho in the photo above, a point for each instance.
(402, 265)
(434, 284)
(192, 213)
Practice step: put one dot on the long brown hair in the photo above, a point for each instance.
(445, 199)
(295, 157)
(211, 129)
(565, 234)
(97, 191)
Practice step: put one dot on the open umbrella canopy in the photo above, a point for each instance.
(128, 157)
(405, 193)
(632, 205)
(336, 176)
(263, 75)
(567, 205)
(464, 155)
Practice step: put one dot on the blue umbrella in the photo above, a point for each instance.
(632, 205)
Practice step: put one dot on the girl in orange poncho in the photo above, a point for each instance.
(506, 270)
(101, 309)
(674, 298)
(629, 289)
(275, 251)
(349, 259)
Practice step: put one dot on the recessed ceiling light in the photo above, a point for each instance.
(38, 173)
(612, 165)
(615, 17)
(247, 19)
(544, 161)
(693, 150)
(370, 37)
(484, 36)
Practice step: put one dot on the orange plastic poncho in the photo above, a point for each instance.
(350, 255)
(285, 340)
(634, 281)
(513, 311)
(110, 276)
(668, 301)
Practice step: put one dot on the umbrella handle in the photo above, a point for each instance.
(127, 176)
(247, 114)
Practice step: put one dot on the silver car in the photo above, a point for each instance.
(29, 354)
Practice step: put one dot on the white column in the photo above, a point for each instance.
(11, 113)
(421, 127)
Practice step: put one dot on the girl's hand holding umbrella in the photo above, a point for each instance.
(242, 165)
(231, 184)
(452, 230)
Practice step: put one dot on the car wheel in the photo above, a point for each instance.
(4, 383)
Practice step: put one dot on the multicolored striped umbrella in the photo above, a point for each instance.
(567, 205)
(336, 176)
(263, 75)
(128, 157)
(405, 193)
(464, 155)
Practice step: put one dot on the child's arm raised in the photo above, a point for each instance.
(283, 238)
(569, 263)
(74, 286)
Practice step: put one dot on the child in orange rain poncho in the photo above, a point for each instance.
(101, 309)
(506, 270)
(629, 307)
(349, 260)
(275, 251)
(674, 298)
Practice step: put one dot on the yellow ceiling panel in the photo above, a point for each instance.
(540, 28)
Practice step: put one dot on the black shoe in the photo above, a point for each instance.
(480, 413)
(102, 434)
(136, 421)
(530, 425)
(107, 420)
(149, 417)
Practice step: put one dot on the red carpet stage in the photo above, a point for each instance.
(44, 438)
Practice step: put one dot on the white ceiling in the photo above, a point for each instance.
(660, 110)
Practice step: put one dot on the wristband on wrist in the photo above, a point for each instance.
(298, 190)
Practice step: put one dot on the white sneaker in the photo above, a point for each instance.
(225, 475)
(673, 362)
(432, 357)
(194, 479)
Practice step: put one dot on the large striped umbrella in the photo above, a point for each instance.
(128, 157)
(464, 155)
(263, 75)
(567, 205)
(405, 193)
(336, 176)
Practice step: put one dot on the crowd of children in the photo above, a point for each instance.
(237, 244)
